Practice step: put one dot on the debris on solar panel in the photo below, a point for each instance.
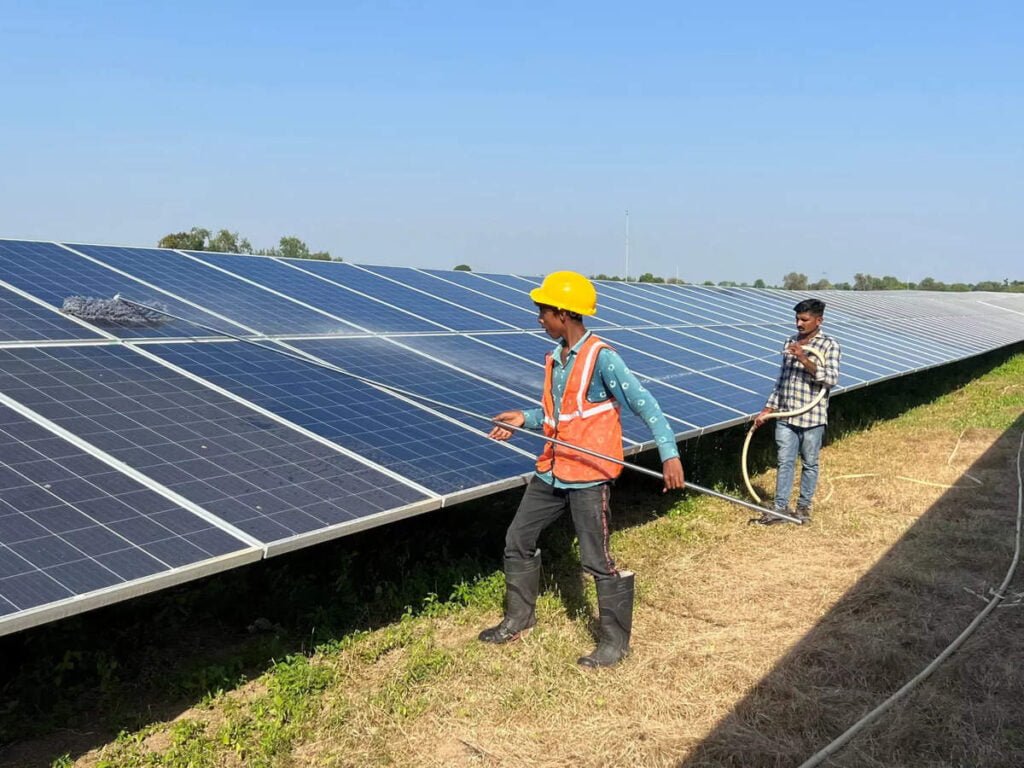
(113, 311)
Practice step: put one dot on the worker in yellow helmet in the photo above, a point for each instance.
(586, 383)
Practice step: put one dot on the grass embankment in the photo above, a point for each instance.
(751, 646)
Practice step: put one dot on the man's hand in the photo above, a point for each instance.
(672, 469)
(515, 418)
(762, 417)
(797, 351)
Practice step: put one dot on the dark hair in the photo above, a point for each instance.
(553, 308)
(814, 306)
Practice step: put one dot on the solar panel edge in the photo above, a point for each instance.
(347, 528)
(111, 595)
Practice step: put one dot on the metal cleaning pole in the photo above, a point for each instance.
(651, 472)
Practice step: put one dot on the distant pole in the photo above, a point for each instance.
(627, 245)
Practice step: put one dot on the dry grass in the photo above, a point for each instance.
(752, 647)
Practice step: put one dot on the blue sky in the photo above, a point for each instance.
(746, 140)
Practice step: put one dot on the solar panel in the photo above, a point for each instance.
(474, 297)
(352, 285)
(27, 320)
(137, 455)
(51, 273)
(74, 529)
(254, 473)
(326, 294)
(255, 307)
(402, 436)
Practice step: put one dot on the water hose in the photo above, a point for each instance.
(998, 596)
(122, 310)
(778, 415)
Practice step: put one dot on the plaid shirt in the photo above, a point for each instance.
(796, 388)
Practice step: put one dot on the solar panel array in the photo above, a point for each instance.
(133, 457)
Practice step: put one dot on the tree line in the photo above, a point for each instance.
(226, 241)
(797, 281)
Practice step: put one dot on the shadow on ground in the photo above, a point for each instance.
(887, 628)
(72, 685)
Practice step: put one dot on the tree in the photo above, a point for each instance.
(294, 248)
(759, 283)
(795, 281)
(866, 282)
(649, 277)
(228, 242)
(820, 285)
(708, 282)
(989, 285)
(463, 268)
(890, 283)
(193, 240)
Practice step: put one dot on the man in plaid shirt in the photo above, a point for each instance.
(801, 378)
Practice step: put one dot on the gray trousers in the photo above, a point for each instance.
(542, 504)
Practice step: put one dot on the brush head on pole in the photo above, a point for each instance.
(113, 311)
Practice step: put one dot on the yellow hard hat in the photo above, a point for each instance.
(570, 291)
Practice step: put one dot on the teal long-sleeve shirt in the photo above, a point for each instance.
(611, 376)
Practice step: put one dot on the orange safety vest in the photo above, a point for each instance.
(594, 426)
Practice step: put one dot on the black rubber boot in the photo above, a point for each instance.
(522, 584)
(615, 603)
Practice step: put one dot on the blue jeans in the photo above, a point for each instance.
(790, 441)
